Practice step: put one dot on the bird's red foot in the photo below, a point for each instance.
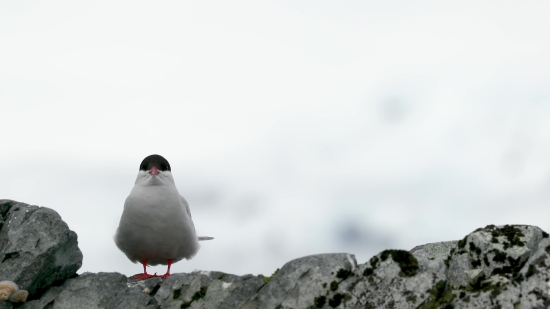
(145, 276)
(167, 274)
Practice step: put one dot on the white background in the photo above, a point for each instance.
(292, 127)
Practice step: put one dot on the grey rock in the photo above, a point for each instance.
(434, 251)
(492, 250)
(506, 267)
(37, 249)
(394, 279)
(102, 290)
(301, 281)
(502, 267)
(207, 290)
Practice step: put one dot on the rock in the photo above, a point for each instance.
(102, 290)
(208, 290)
(301, 281)
(501, 266)
(506, 267)
(434, 251)
(393, 279)
(37, 249)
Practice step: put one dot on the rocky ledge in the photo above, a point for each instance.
(492, 267)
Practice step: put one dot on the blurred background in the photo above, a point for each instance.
(292, 127)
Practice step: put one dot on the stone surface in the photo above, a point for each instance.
(300, 281)
(502, 267)
(102, 290)
(434, 251)
(37, 249)
(207, 290)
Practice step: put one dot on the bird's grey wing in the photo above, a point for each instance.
(201, 238)
(186, 205)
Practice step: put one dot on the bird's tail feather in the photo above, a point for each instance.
(201, 238)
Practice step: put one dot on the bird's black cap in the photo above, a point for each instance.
(155, 160)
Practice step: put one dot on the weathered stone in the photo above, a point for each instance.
(37, 249)
(102, 290)
(301, 281)
(434, 251)
(489, 268)
(506, 267)
(392, 279)
(207, 290)
(492, 251)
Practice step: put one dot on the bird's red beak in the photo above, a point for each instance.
(154, 171)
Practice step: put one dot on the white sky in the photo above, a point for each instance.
(292, 127)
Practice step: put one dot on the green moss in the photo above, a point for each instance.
(495, 292)
(502, 270)
(531, 271)
(479, 284)
(351, 287)
(448, 259)
(406, 261)
(547, 249)
(198, 295)
(519, 278)
(176, 294)
(411, 298)
(516, 265)
(476, 263)
(474, 248)
(375, 260)
(319, 301)
(499, 257)
(439, 289)
(222, 276)
(511, 270)
(544, 234)
(334, 286)
(267, 279)
(324, 284)
(440, 297)
(462, 242)
(368, 272)
(343, 274)
(486, 260)
(336, 300)
(512, 234)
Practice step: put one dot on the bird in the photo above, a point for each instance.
(156, 226)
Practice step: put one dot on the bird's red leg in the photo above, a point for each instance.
(145, 275)
(167, 274)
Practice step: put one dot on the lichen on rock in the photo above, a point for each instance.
(504, 267)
